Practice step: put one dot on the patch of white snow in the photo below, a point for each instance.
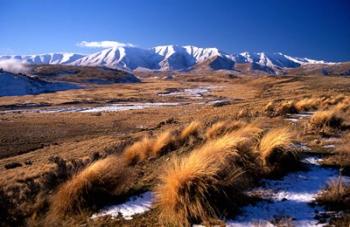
(135, 205)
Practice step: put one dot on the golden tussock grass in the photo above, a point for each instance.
(276, 148)
(333, 100)
(189, 185)
(252, 131)
(280, 108)
(343, 106)
(162, 141)
(287, 107)
(336, 195)
(270, 106)
(103, 178)
(216, 129)
(191, 129)
(223, 127)
(147, 147)
(138, 151)
(326, 118)
(308, 104)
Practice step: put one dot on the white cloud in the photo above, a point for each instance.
(104, 44)
(14, 66)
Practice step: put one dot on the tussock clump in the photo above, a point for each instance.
(216, 129)
(223, 127)
(277, 109)
(193, 187)
(276, 150)
(333, 100)
(191, 130)
(308, 104)
(336, 195)
(287, 108)
(138, 151)
(244, 113)
(326, 119)
(341, 157)
(162, 142)
(93, 185)
(270, 106)
(146, 148)
(343, 106)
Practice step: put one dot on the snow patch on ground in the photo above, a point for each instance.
(195, 93)
(299, 116)
(97, 109)
(123, 107)
(289, 197)
(135, 205)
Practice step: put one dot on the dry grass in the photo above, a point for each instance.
(147, 147)
(287, 107)
(223, 127)
(280, 108)
(138, 151)
(326, 119)
(341, 157)
(276, 149)
(190, 186)
(343, 106)
(336, 195)
(162, 141)
(106, 177)
(191, 130)
(308, 104)
(216, 129)
(333, 100)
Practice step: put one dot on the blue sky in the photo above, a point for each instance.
(306, 28)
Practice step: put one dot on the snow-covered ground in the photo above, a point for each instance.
(135, 205)
(289, 197)
(297, 117)
(97, 109)
(194, 93)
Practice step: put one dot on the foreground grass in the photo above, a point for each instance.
(258, 152)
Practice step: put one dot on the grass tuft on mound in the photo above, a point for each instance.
(190, 130)
(94, 185)
(193, 187)
(326, 119)
(276, 149)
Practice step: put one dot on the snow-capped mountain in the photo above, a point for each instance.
(173, 57)
(51, 58)
(170, 57)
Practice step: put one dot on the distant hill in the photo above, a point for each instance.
(82, 74)
(18, 84)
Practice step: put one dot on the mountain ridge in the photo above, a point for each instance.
(172, 58)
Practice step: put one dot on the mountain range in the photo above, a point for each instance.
(174, 58)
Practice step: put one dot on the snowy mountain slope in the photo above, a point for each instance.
(14, 84)
(119, 57)
(169, 57)
(173, 57)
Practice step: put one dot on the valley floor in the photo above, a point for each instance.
(47, 139)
